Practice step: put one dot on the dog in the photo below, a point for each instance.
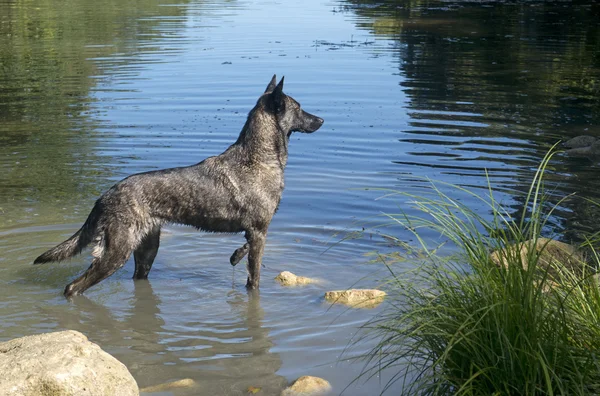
(236, 191)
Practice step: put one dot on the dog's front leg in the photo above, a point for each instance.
(239, 254)
(256, 239)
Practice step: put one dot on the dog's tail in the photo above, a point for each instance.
(69, 248)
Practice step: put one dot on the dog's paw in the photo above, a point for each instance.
(239, 254)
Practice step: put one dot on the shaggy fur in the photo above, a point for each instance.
(236, 191)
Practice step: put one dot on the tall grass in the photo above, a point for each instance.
(467, 326)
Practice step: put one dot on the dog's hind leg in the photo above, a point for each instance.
(114, 246)
(257, 240)
(239, 254)
(145, 253)
(101, 268)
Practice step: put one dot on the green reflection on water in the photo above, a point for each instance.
(47, 73)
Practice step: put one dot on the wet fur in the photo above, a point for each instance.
(236, 191)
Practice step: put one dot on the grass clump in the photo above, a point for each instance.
(466, 325)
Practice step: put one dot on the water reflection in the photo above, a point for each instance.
(48, 130)
(223, 357)
(494, 86)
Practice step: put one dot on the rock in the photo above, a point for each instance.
(308, 386)
(580, 141)
(592, 151)
(184, 383)
(553, 255)
(583, 146)
(62, 363)
(356, 298)
(286, 278)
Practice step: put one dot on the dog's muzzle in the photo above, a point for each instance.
(312, 123)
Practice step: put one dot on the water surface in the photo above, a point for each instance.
(408, 90)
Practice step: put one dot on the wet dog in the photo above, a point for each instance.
(236, 191)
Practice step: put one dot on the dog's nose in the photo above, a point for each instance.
(311, 123)
(317, 122)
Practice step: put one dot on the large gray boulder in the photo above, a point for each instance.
(63, 363)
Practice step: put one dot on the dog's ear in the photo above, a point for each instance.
(271, 85)
(277, 96)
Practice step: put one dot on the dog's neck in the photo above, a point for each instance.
(264, 139)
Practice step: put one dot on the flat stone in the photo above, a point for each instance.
(63, 363)
(356, 298)
(308, 386)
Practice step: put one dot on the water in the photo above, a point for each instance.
(408, 90)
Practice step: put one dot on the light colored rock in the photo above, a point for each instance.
(552, 255)
(308, 386)
(183, 383)
(63, 363)
(287, 278)
(356, 298)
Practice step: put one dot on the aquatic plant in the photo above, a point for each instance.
(465, 325)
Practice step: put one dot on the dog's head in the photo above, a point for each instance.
(290, 116)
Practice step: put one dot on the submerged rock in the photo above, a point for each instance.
(287, 278)
(63, 363)
(580, 141)
(552, 255)
(183, 383)
(308, 386)
(356, 298)
(583, 146)
(592, 151)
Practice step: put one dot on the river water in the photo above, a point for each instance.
(409, 90)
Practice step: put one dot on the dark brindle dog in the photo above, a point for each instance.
(237, 191)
